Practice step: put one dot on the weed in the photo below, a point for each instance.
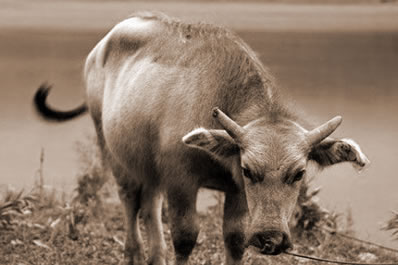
(309, 215)
(392, 225)
(93, 184)
(90, 230)
(14, 207)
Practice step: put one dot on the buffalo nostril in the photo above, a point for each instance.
(286, 244)
(257, 241)
(268, 247)
(271, 242)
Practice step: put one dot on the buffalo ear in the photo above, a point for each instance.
(333, 151)
(216, 142)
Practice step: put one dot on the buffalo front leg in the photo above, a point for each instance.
(151, 212)
(234, 223)
(134, 246)
(184, 223)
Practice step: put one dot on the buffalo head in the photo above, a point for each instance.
(268, 159)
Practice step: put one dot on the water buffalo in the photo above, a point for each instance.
(179, 106)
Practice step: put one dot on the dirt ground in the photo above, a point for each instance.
(99, 240)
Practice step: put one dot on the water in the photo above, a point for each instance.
(350, 74)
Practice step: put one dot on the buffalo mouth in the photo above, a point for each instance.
(271, 246)
(267, 250)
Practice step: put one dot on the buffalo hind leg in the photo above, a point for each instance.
(184, 223)
(235, 214)
(130, 195)
(151, 212)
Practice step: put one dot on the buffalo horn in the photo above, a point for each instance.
(232, 128)
(320, 133)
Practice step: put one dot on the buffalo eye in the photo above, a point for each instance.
(247, 173)
(299, 175)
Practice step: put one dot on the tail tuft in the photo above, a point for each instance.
(50, 114)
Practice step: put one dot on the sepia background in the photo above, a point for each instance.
(338, 58)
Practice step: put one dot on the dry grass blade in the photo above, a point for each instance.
(11, 199)
(117, 240)
(40, 244)
(392, 225)
(15, 205)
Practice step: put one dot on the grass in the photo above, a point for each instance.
(62, 233)
(15, 205)
(40, 227)
(39, 239)
(392, 225)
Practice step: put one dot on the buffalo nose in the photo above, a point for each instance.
(271, 242)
